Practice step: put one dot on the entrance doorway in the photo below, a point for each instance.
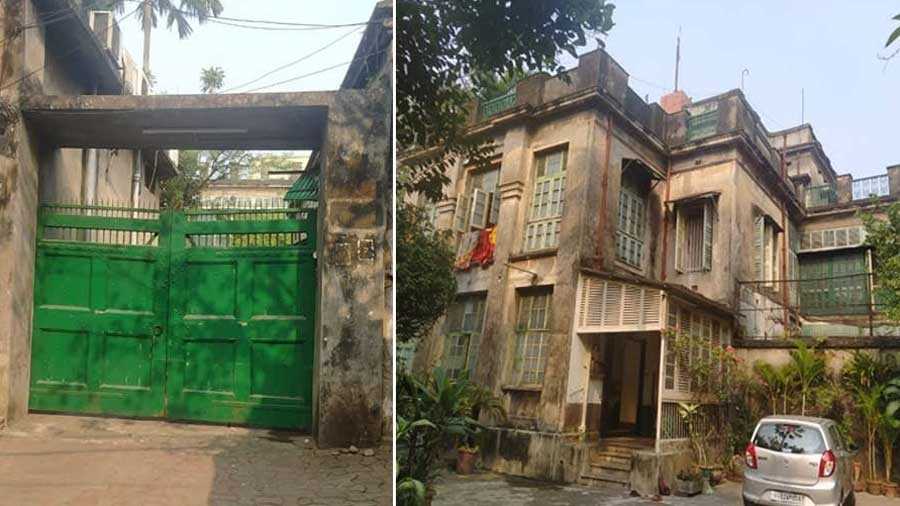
(628, 407)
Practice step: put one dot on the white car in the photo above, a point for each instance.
(798, 461)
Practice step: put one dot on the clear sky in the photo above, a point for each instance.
(246, 54)
(826, 47)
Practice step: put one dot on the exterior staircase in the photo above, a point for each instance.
(608, 461)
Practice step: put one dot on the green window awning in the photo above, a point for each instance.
(306, 187)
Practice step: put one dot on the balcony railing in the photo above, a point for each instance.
(821, 195)
(869, 187)
(497, 105)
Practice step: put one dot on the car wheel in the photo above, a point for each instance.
(748, 503)
(850, 500)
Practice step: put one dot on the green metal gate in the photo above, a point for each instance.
(201, 315)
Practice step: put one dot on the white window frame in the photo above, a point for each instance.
(547, 201)
(478, 209)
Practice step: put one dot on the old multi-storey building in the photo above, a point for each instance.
(603, 221)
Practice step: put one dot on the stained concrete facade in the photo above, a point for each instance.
(349, 130)
(714, 152)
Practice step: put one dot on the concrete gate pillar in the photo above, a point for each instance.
(354, 190)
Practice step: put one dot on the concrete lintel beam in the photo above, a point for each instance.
(239, 121)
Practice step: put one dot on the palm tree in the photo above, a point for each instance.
(770, 379)
(808, 368)
(180, 16)
(212, 79)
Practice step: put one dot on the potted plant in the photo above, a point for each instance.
(889, 427)
(874, 487)
(478, 401)
(865, 377)
(687, 483)
(466, 456)
(689, 413)
(859, 485)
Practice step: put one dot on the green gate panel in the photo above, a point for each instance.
(211, 318)
(96, 348)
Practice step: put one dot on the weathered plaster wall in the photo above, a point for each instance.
(18, 198)
(351, 271)
(715, 175)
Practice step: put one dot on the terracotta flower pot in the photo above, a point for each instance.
(890, 489)
(874, 487)
(465, 460)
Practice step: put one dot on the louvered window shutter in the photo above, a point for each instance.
(463, 203)
(679, 224)
(759, 255)
(479, 209)
(494, 215)
(709, 210)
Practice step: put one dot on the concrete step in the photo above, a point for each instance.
(611, 449)
(594, 482)
(609, 474)
(611, 460)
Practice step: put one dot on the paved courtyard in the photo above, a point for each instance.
(486, 488)
(80, 461)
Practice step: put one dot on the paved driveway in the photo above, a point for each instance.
(484, 489)
(79, 461)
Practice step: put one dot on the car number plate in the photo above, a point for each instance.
(787, 498)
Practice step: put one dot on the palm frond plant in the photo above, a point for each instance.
(890, 425)
(808, 368)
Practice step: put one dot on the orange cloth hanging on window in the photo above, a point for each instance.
(467, 245)
(483, 254)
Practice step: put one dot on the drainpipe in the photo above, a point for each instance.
(136, 171)
(89, 176)
(604, 187)
(784, 247)
(90, 167)
(665, 230)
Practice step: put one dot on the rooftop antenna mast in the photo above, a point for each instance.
(677, 56)
(802, 106)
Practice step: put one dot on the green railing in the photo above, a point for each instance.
(497, 105)
(821, 195)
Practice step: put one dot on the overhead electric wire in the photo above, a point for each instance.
(302, 58)
(254, 90)
(229, 21)
(56, 16)
(277, 28)
(286, 81)
(66, 54)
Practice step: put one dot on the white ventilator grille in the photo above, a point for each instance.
(612, 306)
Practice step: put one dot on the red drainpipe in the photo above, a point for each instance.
(665, 225)
(784, 248)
